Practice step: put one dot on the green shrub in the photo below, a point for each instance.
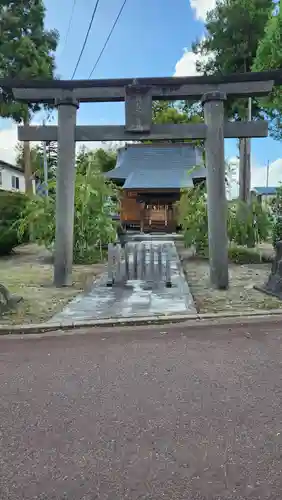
(243, 255)
(94, 204)
(193, 218)
(11, 207)
(277, 231)
(248, 224)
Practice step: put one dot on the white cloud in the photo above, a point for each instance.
(186, 66)
(201, 7)
(258, 175)
(9, 139)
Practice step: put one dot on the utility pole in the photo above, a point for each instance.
(267, 174)
(245, 163)
(45, 165)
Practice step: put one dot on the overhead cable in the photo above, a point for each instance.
(108, 39)
(86, 38)
(70, 22)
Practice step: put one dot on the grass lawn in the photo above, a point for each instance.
(241, 295)
(29, 273)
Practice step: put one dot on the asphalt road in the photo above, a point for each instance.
(174, 415)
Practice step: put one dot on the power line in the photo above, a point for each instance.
(70, 22)
(107, 40)
(86, 37)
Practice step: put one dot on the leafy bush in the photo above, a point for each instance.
(11, 207)
(93, 206)
(248, 224)
(243, 255)
(193, 218)
(277, 210)
(277, 231)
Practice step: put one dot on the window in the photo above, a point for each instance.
(15, 182)
(0, 178)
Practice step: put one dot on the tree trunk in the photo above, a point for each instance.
(245, 163)
(27, 165)
(244, 171)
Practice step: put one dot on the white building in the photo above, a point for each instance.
(11, 177)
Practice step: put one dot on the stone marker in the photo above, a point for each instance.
(142, 261)
(135, 262)
(273, 286)
(8, 300)
(126, 262)
(167, 268)
(111, 252)
(118, 265)
(151, 264)
(160, 262)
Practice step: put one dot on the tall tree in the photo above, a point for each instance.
(37, 159)
(269, 56)
(234, 29)
(104, 159)
(177, 112)
(26, 52)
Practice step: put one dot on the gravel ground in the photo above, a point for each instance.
(241, 294)
(28, 272)
(171, 417)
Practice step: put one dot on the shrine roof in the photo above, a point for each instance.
(162, 165)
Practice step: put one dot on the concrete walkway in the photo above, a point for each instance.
(136, 299)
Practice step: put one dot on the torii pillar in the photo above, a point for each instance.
(213, 103)
(65, 188)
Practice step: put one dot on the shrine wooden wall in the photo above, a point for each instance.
(130, 209)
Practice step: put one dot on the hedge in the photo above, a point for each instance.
(11, 206)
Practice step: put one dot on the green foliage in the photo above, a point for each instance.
(193, 218)
(11, 206)
(276, 203)
(168, 112)
(104, 159)
(93, 226)
(248, 224)
(269, 56)
(242, 255)
(37, 159)
(26, 50)
(180, 112)
(277, 210)
(277, 231)
(233, 31)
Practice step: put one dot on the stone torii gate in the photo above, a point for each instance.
(138, 96)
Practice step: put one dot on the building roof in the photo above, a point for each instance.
(4, 164)
(263, 190)
(162, 165)
(175, 178)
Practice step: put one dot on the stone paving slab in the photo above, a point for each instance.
(134, 299)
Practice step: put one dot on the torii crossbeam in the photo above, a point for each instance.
(138, 96)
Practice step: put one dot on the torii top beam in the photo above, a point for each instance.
(171, 88)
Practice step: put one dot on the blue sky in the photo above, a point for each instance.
(152, 38)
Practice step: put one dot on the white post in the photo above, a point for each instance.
(45, 166)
